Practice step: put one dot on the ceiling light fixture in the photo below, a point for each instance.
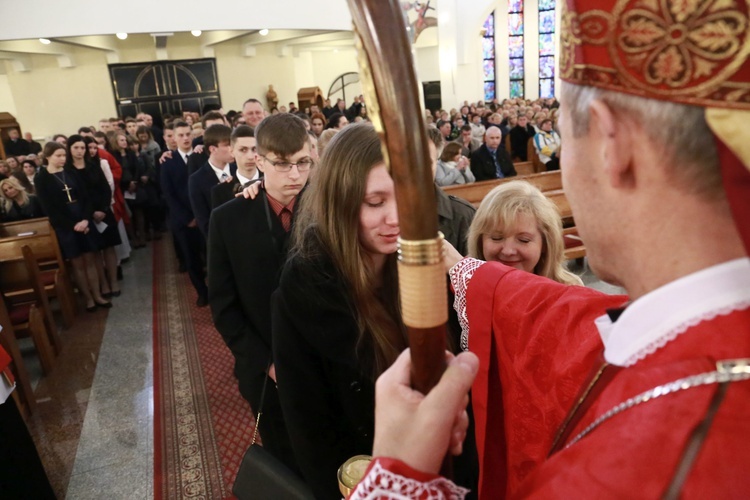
(45, 41)
(263, 32)
(122, 36)
(196, 32)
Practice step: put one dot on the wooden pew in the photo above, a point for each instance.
(35, 226)
(43, 242)
(17, 283)
(475, 192)
(524, 168)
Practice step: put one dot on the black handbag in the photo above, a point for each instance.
(262, 476)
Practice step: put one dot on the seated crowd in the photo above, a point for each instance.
(286, 223)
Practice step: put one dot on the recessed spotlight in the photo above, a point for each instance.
(45, 41)
(122, 36)
(196, 32)
(263, 32)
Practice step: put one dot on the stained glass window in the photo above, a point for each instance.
(546, 48)
(515, 47)
(488, 57)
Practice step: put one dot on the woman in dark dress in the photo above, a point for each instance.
(17, 203)
(133, 170)
(64, 198)
(336, 320)
(100, 196)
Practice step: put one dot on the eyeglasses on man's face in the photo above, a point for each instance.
(283, 166)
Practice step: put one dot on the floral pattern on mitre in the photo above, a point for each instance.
(689, 51)
(681, 43)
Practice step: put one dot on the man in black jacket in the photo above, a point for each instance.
(244, 151)
(15, 146)
(217, 170)
(491, 161)
(247, 247)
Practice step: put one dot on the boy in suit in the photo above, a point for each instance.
(247, 248)
(182, 223)
(244, 151)
(216, 170)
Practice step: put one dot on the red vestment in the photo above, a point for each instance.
(119, 207)
(537, 343)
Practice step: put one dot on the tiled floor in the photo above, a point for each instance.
(94, 422)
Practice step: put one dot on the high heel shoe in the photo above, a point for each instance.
(105, 305)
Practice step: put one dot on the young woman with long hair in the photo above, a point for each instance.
(64, 198)
(105, 225)
(336, 314)
(133, 169)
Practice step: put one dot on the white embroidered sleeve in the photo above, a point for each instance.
(382, 484)
(460, 275)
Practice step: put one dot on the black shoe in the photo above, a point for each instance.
(105, 305)
(107, 295)
(202, 301)
(91, 308)
(116, 294)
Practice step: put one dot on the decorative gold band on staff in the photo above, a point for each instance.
(421, 277)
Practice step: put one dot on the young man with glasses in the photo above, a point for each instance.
(247, 246)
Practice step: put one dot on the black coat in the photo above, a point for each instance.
(199, 187)
(519, 141)
(483, 166)
(174, 184)
(328, 403)
(244, 262)
(55, 201)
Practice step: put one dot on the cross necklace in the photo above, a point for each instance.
(64, 182)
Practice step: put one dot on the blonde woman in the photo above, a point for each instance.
(520, 227)
(17, 203)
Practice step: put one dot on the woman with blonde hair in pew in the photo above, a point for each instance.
(520, 227)
(16, 203)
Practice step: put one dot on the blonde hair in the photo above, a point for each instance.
(502, 206)
(7, 202)
(325, 138)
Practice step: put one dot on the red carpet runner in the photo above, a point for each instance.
(202, 426)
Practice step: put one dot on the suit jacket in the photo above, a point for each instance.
(454, 218)
(483, 166)
(17, 147)
(174, 185)
(199, 188)
(197, 160)
(244, 261)
(225, 191)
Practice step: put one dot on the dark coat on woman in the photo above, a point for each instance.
(328, 401)
(97, 186)
(55, 201)
(32, 210)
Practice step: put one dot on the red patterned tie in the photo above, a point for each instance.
(286, 219)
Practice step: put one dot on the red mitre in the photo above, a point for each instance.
(692, 52)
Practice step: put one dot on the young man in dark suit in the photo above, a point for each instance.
(247, 247)
(491, 161)
(182, 223)
(217, 170)
(200, 154)
(246, 173)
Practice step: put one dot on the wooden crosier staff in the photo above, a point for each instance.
(390, 87)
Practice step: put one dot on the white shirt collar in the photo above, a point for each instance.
(219, 172)
(244, 180)
(184, 155)
(662, 314)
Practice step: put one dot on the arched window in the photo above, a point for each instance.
(488, 57)
(546, 48)
(515, 47)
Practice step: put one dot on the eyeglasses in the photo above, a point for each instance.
(302, 165)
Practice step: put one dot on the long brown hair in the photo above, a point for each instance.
(330, 214)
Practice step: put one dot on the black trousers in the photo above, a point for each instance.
(22, 474)
(190, 241)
